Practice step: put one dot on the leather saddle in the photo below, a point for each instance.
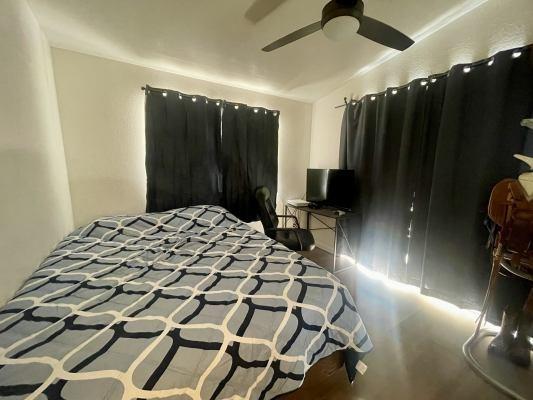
(510, 210)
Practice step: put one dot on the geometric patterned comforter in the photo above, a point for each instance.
(186, 304)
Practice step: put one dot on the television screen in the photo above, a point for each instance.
(331, 187)
(317, 185)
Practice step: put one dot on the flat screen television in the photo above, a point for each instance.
(331, 187)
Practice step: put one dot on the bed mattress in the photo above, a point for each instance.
(186, 304)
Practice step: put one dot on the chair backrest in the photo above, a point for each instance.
(267, 212)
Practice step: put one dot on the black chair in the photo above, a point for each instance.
(296, 239)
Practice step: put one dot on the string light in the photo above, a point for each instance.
(373, 98)
(194, 99)
(218, 103)
(180, 97)
(467, 69)
(394, 91)
(409, 87)
(236, 106)
(517, 54)
(275, 114)
(423, 83)
(433, 80)
(490, 62)
(206, 101)
(256, 110)
(164, 94)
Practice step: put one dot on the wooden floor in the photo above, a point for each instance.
(417, 343)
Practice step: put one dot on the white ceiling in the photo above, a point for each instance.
(211, 39)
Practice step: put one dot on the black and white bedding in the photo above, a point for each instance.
(185, 304)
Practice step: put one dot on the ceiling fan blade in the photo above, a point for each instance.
(260, 9)
(384, 34)
(291, 37)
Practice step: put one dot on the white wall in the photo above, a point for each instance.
(35, 211)
(496, 25)
(102, 115)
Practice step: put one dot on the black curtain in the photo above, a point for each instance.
(249, 157)
(182, 150)
(478, 135)
(384, 139)
(208, 151)
(426, 156)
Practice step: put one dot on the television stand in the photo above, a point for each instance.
(320, 214)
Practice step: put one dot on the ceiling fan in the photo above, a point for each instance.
(341, 19)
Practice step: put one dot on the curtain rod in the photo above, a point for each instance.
(442, 74)
(343, 105)
(222, 101)
(434, 76)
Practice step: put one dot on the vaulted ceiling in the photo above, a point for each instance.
(212, 39)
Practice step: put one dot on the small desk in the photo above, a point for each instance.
(326, 212)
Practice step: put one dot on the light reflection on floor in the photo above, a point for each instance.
(418, 341)
(406, 288)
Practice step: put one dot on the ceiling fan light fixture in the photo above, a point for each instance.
(341, 28)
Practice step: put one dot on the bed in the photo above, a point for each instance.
(186, 304)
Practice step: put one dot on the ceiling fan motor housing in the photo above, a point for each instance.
(341, 18)
(340, 8)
